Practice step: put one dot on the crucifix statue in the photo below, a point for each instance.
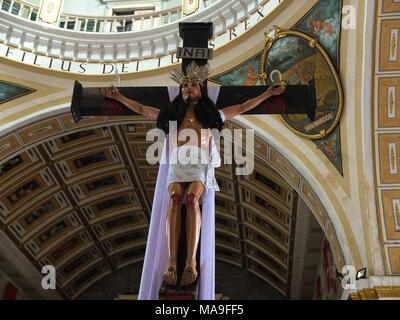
(191, 185)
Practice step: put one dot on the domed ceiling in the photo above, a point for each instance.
(78, 197)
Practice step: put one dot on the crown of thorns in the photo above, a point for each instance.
(194, 73)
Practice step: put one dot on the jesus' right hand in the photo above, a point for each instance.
(112, 93)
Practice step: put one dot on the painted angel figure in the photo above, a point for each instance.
(319, 25)
(251, 77)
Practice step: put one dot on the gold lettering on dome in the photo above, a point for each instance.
(8, 51)
(105, 66)
(246, 24)
(232, 33)
(69, 66)
(49, 13)
(260, 15)
(172, 59)
(123, 70)
(34, 61)
(81, 66)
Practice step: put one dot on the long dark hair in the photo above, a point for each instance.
(205, 112)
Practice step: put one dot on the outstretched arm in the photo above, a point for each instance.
(148, 112)
(238, 109)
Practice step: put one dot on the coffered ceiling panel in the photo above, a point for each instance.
(79, 197)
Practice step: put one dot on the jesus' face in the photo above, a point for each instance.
(191, 91)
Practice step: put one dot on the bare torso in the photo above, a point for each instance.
(189, 122)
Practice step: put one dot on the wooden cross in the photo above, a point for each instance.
(297, 99)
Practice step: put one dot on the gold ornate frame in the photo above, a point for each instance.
(186, 10)
(50, 14)
(313, 43)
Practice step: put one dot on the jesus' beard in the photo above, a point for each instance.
(189, 100)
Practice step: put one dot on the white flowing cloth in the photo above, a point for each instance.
(156, 256)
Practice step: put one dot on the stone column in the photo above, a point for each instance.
(18, 267)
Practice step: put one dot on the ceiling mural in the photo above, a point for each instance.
(332, 149)
(10, 91)
(245, 74)
(295, 58)
(324, 22)
(292, 54)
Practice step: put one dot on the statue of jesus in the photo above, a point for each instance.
(187, 183)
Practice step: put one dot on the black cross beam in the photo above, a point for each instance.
(297, 99)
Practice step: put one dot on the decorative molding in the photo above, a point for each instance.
(391, 102)
(190, 6)
(394, 42)
(385, 134)
(86, 53)
(50, 10)
(377, 293)
(377, 288)
(393, 158)
(396, 213)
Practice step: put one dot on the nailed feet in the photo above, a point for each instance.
(189, 276)
(171, 276)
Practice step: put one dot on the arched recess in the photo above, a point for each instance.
(309, 188)
(57, 121)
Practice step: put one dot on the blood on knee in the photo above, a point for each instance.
(191, 199)
(176, 199)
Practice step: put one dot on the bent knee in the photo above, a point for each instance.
(176, 199)
(191, 199)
